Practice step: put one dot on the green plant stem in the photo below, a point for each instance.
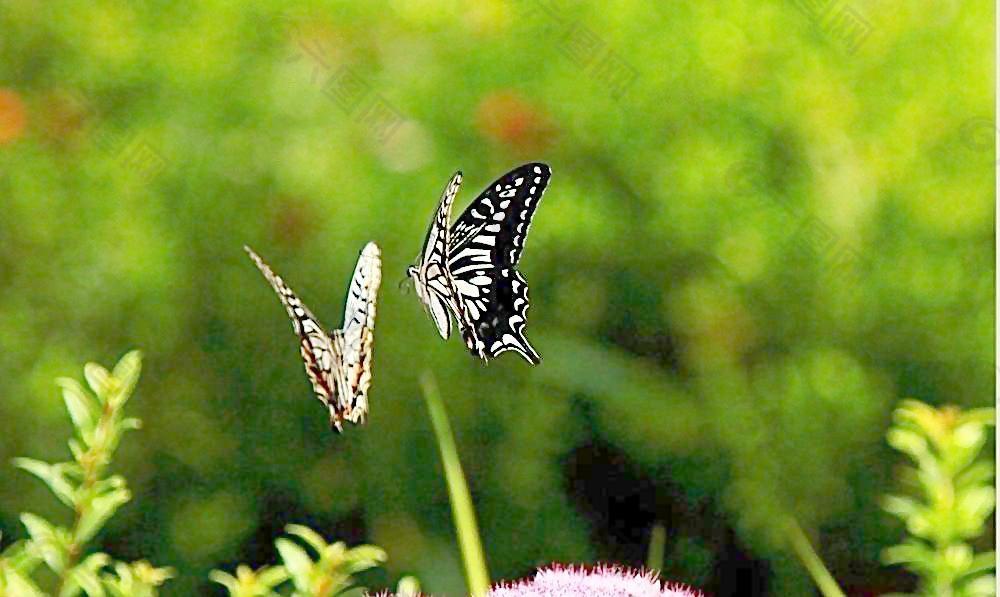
(811, 560)
(657, 548)
(462, 511)
(92, 465)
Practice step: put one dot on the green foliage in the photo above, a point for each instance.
(326, 572)
(84, 486)
(950, 499)
(737, 346)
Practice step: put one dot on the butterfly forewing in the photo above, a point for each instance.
(358, 334)
(319, 352)
(486, 244)
(433, 284)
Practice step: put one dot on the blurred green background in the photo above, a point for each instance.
(767, 223)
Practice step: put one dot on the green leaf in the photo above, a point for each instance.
(83, 410)
(296, 561)
(225, 579)
(99, 380)
(986, 416)
(76, 449)
(98, 511)
(901, 506)
(984, 586)
(53, 475)
(20, 558)
(311, 537)
(131, 423)
(982, 562)
(85, 576)
(958, 558)
(20, 585)
(49, 542)
(126, 371)
(910, 552)
(408, 586)
(980, 473)
(908, 442)
(974, 506)
(363, 557)
(88, 581)
(272, 576)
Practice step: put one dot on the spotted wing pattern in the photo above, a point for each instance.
(485, 246)
(339, 364)
(358, 334)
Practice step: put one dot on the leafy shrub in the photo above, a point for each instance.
(951, 497)
(84, 486)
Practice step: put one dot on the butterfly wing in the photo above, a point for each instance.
(358, 334)
(486, 245)
(319, 352)
(433, 285)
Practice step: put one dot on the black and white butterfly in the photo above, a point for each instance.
(468, 271)
(339, 364)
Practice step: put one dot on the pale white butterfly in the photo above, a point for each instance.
(339, 364)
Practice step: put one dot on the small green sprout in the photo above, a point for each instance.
(328, 572)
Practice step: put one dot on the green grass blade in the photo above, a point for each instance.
(811, 560)
(657, 548)
(466, 527)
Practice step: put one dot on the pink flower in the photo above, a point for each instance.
(574, 581)
(613, 581)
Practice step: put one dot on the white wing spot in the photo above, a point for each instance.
(467, 289)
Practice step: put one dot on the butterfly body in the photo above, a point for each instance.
(468, 271)
(337, 363)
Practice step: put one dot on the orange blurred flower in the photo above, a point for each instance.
(507, 117)
(13, 116)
